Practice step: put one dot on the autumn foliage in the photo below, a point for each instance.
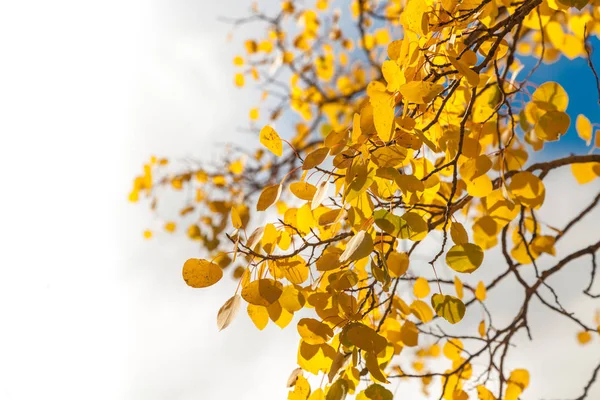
(386, 127)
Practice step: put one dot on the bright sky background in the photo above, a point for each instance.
(88, 309)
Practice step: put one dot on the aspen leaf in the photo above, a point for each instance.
(421, 310)
(450, 308)
(262, 292)
(420, 92)
(527, 189)
(363, 337)
(393, 75)
(458, 286)
(421, 288)
(292, 299)
(517, 383)
(481, 328)
(293, 378)
(320, 195)
(303, 190)
(315, 158)
(584, 337)
(552, 125)
(452, 349)
(480, 291)
(268, 197)
(313, 331)
(409, 334)
(259, 316)
(228, 312)
(337, 391)
(585, 172)
(338, 362)
(236, 221)
(360, 246)
(373, 367)
(464, 258)
(397, 264)
(199, 273)
(279, 315)
(484, 394)
(584, 128)
(271, 140)
(376, 392)
(550, 96)
(458, 233)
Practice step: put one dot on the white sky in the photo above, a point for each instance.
(88, 309)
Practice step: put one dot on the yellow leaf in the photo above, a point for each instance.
(452, 349)
(271, 140)
(199, 273)
(313, 331)
(293, 378)
(517, 383)
(301, 388)
(484, 394)
(480, 291)
(527, 189)
(147, 234)
(585, 172)
(409, 334)
(458, 233)
(315, 158)
(254, 114)
(363, 337)
(552, 125)
(415, 18)
(450, 308)
(303, 190)
(262, 292)
(236, 221)
(360, 246)
(258, 315)
(420, 92)
(464, 258)
(279, 315)
(383, 109)
(550, 96)
(584, 128)
(397, 264)
(421, 310)
(239, 80)
(373, 367)
(481, 328)
(292, 299)
(393, 75)
(228, 312)
(421, 288)
(458, 286)
(268, 197)
(338, 390)
(584, 337)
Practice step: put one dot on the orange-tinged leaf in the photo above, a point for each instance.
(228, 312)
(584, 337)
(464, 258)
(421, 310)
(271, 140)
(397, 264)
(199, 273)
(409, 334)
(262, 292)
